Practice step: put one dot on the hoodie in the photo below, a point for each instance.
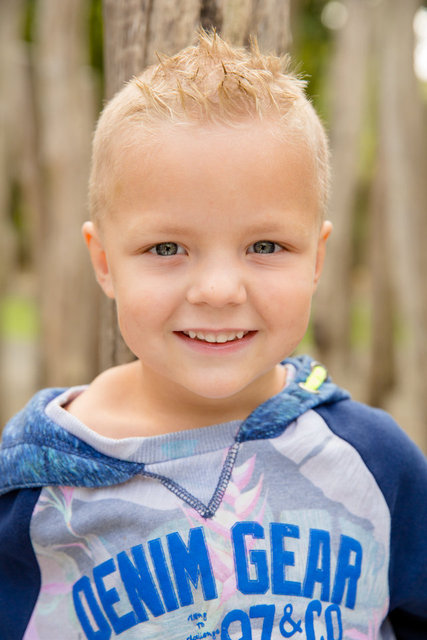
(306, 520)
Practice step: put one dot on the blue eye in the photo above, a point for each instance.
(264, 246)
(166, 249)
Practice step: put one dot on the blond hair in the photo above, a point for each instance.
(210, 82)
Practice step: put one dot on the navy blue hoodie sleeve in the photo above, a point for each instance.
(19, 570)
(400, 470)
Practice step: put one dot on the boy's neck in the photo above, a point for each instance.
(128, 401)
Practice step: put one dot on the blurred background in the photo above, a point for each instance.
(366, 66)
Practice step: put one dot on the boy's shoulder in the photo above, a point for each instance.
(400, 470)
(398, 465)
(372, 431)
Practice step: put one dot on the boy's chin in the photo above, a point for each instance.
(226, 392)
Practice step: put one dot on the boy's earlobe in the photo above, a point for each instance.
(325, 232)
(98, 257)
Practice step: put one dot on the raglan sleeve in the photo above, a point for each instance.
(408, 548)
(19, 570)
(400, 470)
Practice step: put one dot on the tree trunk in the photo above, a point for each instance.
(10, 15)
(268, 19)
(402, 139)
(135, 30)
(65, 104)
(332, 308)
(382, 365)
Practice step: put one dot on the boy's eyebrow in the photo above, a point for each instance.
(266, 227)
(160, 227)
(263, 227)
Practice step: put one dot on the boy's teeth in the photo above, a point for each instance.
(219, 337)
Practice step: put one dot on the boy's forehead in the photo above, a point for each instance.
(180, 164)
(139, 150)
(179, 149)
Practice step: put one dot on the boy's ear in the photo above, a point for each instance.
(98, 257)
(325, 232)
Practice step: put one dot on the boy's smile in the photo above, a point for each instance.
(212, 248)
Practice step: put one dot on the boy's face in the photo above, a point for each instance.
(212, 249)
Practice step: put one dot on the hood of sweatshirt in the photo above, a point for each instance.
(37, 452)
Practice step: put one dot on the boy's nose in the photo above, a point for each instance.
(217, 287)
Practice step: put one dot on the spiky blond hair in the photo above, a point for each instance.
(208, 83)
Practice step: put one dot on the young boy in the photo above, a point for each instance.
(214, 487)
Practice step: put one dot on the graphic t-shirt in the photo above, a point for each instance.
(290, 550)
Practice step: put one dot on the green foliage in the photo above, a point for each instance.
(312, 43)
(20, 224)
(96, 36)
(18, 318)
(361, 323)
(29, 19)
(95, 25)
